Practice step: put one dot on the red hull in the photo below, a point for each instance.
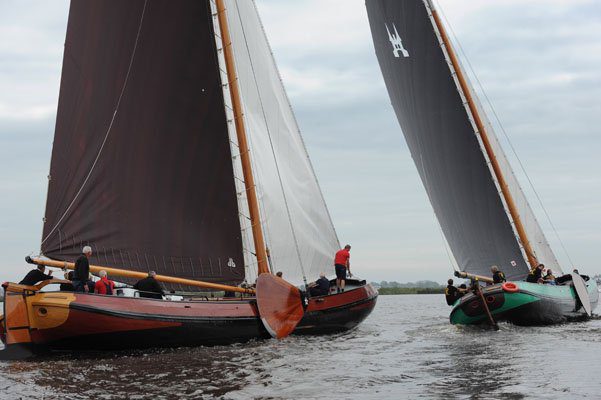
(96, 322)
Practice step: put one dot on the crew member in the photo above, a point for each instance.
(36, 275)
(497, 276)
(104, 285)
(320, 287)
(535, 274)
(342, 264)
(450, 293)
(81, 272)
(67, 287)
(549, 277)
(149, 287)
(461, 291)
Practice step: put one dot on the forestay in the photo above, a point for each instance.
(297, 226)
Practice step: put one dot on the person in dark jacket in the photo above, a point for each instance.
(67, 287)
(81, 273)
(320, 287)
(149, 287)
(451, 293)
(36, 275)
(535, 274)
(497, 276)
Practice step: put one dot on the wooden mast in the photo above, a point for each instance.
(249, 182)
(485, 141)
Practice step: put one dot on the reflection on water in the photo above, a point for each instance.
(406, 349)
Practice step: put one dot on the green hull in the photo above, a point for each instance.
(531, 304)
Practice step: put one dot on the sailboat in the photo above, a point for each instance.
(176, 150)
(481, 209)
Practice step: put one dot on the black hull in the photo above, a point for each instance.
(335, 320)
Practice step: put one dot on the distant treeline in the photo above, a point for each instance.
(418, 284)
(410, 290)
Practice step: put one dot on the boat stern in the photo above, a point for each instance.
(26, 312)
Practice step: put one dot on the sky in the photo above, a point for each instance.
(538, 61)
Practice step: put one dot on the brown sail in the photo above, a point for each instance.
(141, 165)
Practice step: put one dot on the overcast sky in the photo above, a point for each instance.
(539, 62)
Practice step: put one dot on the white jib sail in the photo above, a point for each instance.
(297, 226)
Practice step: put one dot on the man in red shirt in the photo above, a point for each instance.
(104, 285)
(342, 264)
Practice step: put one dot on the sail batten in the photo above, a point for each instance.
(161, 195)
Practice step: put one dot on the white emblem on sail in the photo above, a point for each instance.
(397, 42)
(231, 263)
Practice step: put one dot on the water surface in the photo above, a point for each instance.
(405, 349)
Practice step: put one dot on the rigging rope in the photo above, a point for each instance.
(131, 61)
(498, 120)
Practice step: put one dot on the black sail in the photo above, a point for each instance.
(152, 189)
(441, 139)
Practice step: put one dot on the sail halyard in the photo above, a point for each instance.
(249, 182)
(481, 132)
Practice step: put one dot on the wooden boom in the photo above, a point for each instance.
(465, 275)
(140, 275)
(519, 227)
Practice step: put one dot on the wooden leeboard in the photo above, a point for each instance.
(280, 305)
(582, 293)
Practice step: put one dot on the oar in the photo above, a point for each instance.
(492, 321)
(280, 305)
(139, 275)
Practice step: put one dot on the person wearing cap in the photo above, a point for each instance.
(81, 272)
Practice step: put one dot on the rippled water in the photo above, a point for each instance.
(405, 349)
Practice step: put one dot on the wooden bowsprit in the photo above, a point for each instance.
(280, 305)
